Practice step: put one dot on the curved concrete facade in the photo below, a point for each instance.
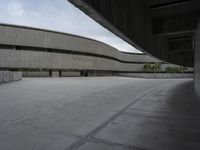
(25, 47)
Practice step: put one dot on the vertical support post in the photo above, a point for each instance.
(197, 61)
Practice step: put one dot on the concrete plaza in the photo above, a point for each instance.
(99, 113)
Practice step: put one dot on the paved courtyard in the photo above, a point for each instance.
(99, 113)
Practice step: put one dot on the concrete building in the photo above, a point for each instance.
(39, 52)
(166, 29)
(101, 113)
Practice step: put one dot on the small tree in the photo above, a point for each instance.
(147, 67)
(176, 69)
(152, 67)
(156, 67)
(183, 69)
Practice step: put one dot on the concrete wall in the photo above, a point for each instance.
(197, 61)
(8, 76)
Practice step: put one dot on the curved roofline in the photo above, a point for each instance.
(64, 33)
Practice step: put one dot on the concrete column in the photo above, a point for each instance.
(50, 73)
(60, 73)
(197, 61)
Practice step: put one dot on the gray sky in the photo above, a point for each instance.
(58, 15)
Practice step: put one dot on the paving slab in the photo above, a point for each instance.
(170, 121)
(98, 113)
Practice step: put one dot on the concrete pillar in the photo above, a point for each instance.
(197, 61)
(60, 73)
(50, 73)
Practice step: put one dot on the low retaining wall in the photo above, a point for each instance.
(35, 74)
(47, 74)
(158, 75)
(134, 75)
(8, 76)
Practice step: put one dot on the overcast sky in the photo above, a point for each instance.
(58, 15)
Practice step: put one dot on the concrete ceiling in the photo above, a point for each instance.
(162, 28)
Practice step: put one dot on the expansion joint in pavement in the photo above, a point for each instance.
(91, 134)
(105, 142)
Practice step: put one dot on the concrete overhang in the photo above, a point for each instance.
(164, 29)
